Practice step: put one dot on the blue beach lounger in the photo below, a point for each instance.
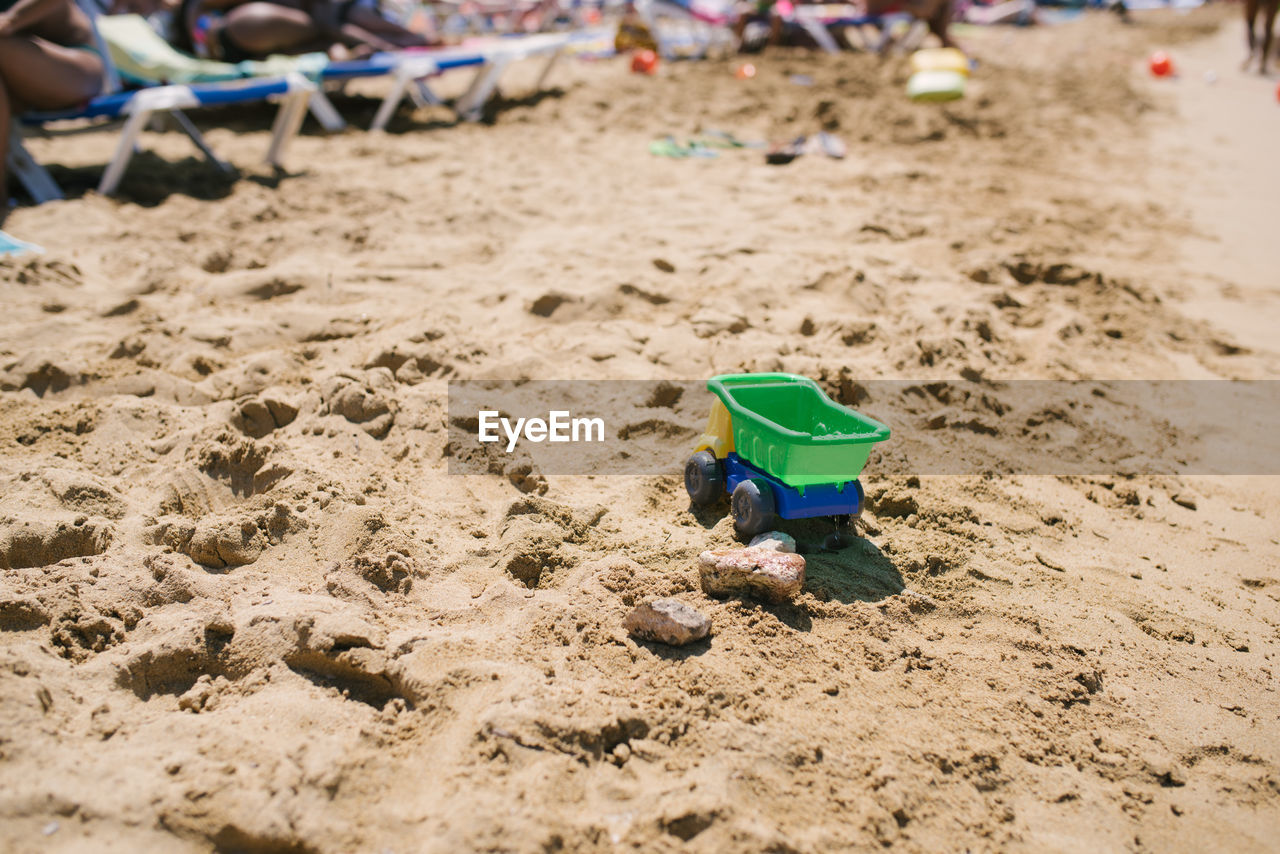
(490, 57)
(817, 21)
(410, 69)
(144, 57)
(136, 107)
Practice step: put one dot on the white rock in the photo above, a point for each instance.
(774, 541)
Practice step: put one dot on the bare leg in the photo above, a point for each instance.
(41, 75)
(37, 74)
(1250, 16)
(939, 23)
(5, 119)
(775, 29)
(369, 20)
(536, 18)
(1270, 16)
(266, 28)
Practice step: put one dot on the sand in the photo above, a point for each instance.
(244, 607)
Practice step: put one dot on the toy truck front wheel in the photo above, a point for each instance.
(754, 510)
(703, 478)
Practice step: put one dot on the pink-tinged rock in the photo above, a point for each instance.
(760, 573)
(667, 621)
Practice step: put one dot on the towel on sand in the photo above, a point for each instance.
(14, 246)
(143, 57)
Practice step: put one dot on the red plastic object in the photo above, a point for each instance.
(745, 71)
(644, 62)
(1160, 64)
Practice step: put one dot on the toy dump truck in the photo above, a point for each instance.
(782, 449)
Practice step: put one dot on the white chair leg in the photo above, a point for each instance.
(326, 114)
(546, 70)
(124, 151)
(423, 96)
(471, 104)
(821, 35)
(409, 70)
(914, 36)
(34, 177)
(197, 138)
(388, 106)
(886, 38)
(293, 109)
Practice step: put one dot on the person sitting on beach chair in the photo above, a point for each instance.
(754, 16)
(48, 61)
(235, 30)
(935, 14)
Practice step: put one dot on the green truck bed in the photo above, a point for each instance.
(786, 425)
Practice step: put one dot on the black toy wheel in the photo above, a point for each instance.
(753, 507)
(703, 478)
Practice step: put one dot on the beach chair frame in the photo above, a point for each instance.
(470, 106)
(137, 108)
(817, 25)
(411, 71)
(710, 33)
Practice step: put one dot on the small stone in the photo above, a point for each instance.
(775, 541)
(667, 621)
(1184, 500)
(760, 573)
(1166, 772)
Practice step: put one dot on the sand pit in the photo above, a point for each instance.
(244, 606)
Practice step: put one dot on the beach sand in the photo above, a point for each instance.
(244, 607)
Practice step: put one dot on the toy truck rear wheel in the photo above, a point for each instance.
(753, 507)
(703, 478)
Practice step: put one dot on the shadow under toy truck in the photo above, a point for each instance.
(782, 449)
